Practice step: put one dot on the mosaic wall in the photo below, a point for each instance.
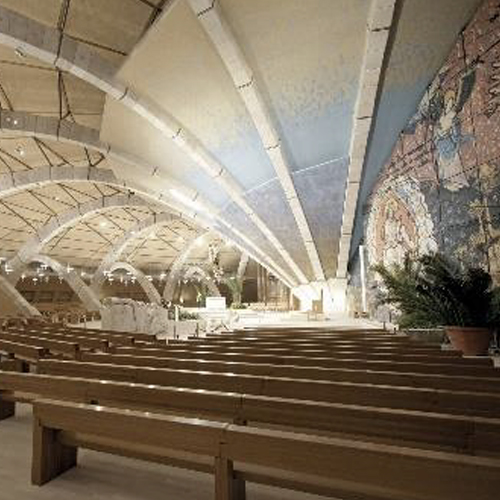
(440, 190)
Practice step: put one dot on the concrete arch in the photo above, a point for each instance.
(16, 182)
(151, 291)
(178, 265)
(191, 272)
(90, 301)
(211, 18)
(381, 20)
(51, 128)
(119, 247)
(50, 46)
(15, 300)
(57, 224)
(23, 123)
(242, 266)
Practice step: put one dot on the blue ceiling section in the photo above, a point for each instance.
(236, 217)
(269, 202)
(321, 191)
(315, 138)
(241, 152)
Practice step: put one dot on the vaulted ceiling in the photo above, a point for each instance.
(266, 121)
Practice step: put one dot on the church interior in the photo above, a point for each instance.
(250, 249)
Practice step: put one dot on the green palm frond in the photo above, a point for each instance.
(434, 291)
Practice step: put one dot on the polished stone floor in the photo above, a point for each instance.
(103, 476)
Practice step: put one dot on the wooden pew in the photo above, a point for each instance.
(411, 398)
(87, 342)
(389, 339)
(409, 379)
(319, 335)
(290, 460)
(115, 339)
(172, 360)
(70, 349)
(119, 340)
(137, 336)
(321, 345)
(470, 435)
(11, 364)
(295, 358)
(25, 352)
(285, 330)
(318, 351)
(314, 332)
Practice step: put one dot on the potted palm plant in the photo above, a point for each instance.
(433, 291)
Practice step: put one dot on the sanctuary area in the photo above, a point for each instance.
(250, 249)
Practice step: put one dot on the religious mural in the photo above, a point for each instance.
(441, 186)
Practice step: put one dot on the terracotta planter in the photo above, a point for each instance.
(471, 341)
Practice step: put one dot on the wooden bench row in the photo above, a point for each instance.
(28, 353)
(112, 338)
(301, 337)
(403, 397)
(310, 344)
(39, 332)
(335, 467)
(315, 351)
(114, 333)
(440, 431)
(71, 345)
(388, 377)
(228, 363)
(301, 358)
(32, 344)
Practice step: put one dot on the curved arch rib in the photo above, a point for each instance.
(119, 247)
(24, 123)
(377, 34)
(85, 294)
(54, 129)
(57, 224)
(178, 265)
(242, 266)
(17, 300)
(148, 287)
(212, 20)
(49, 45)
